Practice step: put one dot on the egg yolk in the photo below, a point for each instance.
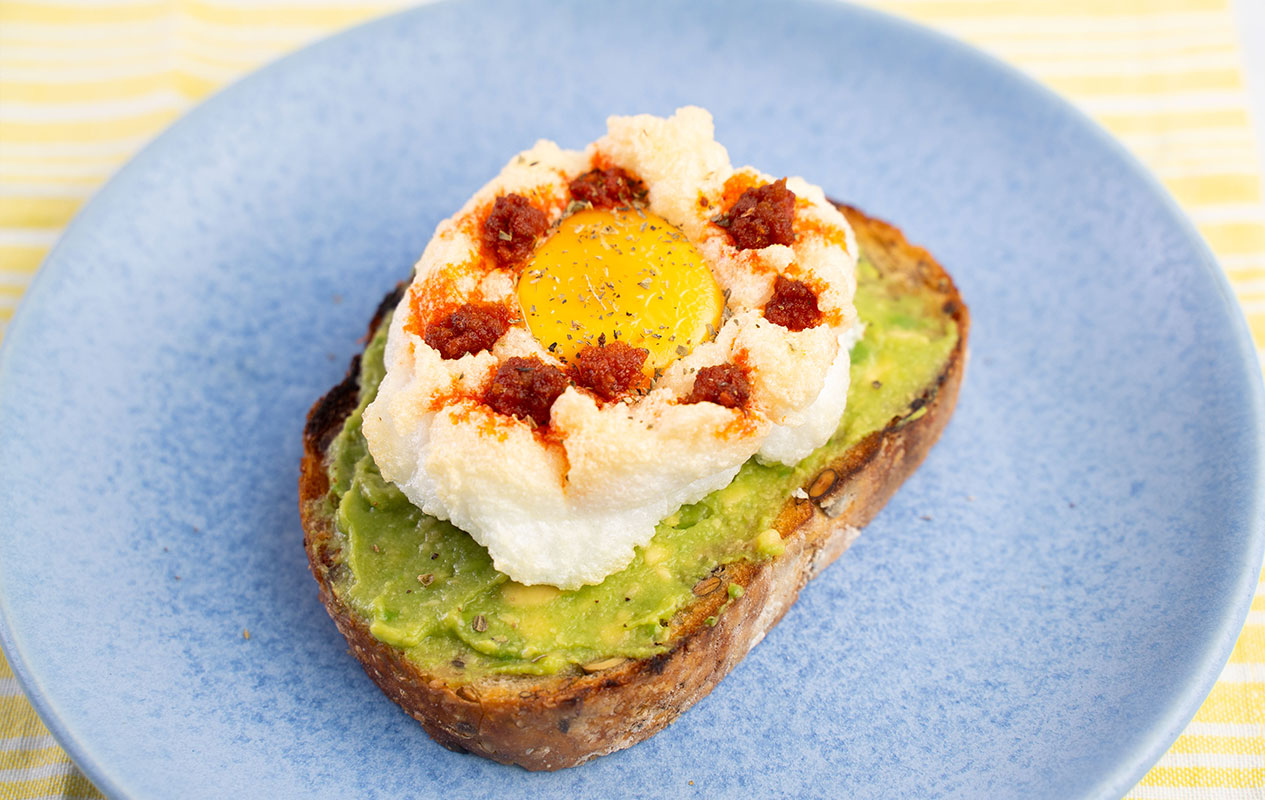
(623, 273)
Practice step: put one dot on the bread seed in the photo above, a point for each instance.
(606, 663)
(707, 586)
(480, 623)
(822, 484)
(468, 694)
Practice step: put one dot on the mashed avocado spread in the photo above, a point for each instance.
(428, 588)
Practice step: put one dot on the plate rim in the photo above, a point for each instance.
(1182, 706)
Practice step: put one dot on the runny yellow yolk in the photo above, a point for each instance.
(625, 273)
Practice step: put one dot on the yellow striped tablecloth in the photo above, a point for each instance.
(83, 85)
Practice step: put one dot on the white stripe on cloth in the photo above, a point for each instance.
(1212, 760)
(56, 769)
(19, 743)
(28, 237)
(161, 100)
(1248, 730)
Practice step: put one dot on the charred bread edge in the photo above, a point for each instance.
(551, 722)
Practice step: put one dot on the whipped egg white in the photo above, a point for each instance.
(564, 496)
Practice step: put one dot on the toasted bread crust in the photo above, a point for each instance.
(550, 722)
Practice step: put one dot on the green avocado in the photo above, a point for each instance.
(428, 588)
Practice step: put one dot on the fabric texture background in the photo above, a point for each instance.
(83, 86)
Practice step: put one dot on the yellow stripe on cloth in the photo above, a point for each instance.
(83, 86)
(1226, 703)
(70, 13)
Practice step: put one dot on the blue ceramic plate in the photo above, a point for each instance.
(1037, 613)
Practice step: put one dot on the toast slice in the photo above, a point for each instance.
(547, 722)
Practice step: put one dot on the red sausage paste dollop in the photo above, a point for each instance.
(526, 388)
(793, 305)
(610, 369)
(762, 216)
(723, 384)
(512, 228)
(606, 188)
(472, 328)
